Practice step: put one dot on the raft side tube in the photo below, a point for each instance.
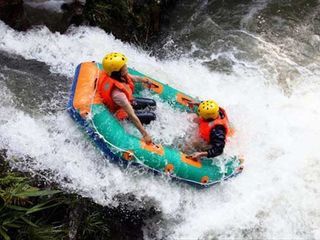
(86, 108)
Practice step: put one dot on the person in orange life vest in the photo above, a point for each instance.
(116, 87)
(213, 128)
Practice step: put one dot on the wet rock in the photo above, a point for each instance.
(132, 214)
(56, 21)
(29, 81)
(22, 16)
(220, 64)
(125, 220)
(72, 15)
(12, 13)
(133, 21)
(3, 163)
(130, 20)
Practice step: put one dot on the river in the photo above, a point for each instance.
(258, 59)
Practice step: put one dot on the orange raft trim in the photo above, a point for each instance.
(205, 179)
(154, 86)
(184, 99)
(128, 155)
(154, 148)
(169, 168)
(190, 161)
(86, 88)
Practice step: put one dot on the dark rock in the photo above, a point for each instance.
(75, 216)
(3, 163)
(136, 21)
(133, 21)
(124, 221)
(72, 14)
(56, 21)
(132, 215)
(3, 155)
(12, 13)
(21, 16)
(29, 81)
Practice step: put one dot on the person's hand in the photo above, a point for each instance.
(146, 81)
(147, 139)
(193, 104)
(197, 155)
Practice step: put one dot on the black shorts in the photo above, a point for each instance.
(143, 109)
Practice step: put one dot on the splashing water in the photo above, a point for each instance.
(277, 196)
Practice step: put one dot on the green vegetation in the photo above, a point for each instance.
(31, 209)
(24, 208)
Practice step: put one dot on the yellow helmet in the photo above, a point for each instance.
(208, 109)
(113, 62)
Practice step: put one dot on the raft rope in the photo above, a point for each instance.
(132, 153)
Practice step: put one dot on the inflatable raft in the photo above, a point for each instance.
(86, 108)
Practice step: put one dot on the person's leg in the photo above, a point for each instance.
(143, 103)
(145, 117)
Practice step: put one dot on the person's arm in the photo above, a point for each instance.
(140, 79)
(198, 155)
(193, 104)
(121, 100)
(217, 140)
(135, 120)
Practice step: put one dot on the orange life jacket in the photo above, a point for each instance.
(205, 126)
(105, 87)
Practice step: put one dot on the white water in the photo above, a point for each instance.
(277, 195)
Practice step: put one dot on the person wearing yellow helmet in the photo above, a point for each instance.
(116, 87)
(208, 109)
(213, 128)
(113, 62)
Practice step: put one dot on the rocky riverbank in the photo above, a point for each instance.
(132, 21)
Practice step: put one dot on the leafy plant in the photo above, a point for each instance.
(19, 201)
(94, 225)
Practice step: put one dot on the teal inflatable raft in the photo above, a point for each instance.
(86, 108)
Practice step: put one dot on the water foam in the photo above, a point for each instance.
(275, 197)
